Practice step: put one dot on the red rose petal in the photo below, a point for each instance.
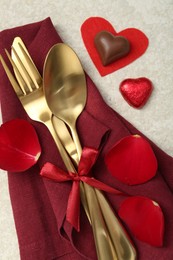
(19, 145)
(132, 160)
(144, 218)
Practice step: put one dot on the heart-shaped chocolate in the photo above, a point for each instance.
(111, 48)
(136, 91)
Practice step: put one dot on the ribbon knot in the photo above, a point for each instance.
(88, 159)
(74, 176)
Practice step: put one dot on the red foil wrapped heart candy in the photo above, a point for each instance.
(136, 91)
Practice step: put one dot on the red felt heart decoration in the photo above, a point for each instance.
(144, 218)
(138, 43)
(132, 160)
(19, 146)
(136, 91)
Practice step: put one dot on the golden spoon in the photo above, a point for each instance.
(65, 90)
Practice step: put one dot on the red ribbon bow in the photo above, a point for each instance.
(88, 159)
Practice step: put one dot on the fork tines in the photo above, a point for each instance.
(32, 69)
(27, 75)
(25, 64)
(19, 91)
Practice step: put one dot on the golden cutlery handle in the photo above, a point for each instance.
(65, 137)
(76, 140)
(104, 247)
(69, 165)
(67, 161)
(119, 238)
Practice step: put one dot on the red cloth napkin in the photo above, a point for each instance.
(39, 205)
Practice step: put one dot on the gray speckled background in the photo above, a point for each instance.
(155, 120)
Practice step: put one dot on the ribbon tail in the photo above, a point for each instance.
(101, 186)
(73, 206)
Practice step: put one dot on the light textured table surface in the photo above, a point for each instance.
(155, 119)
